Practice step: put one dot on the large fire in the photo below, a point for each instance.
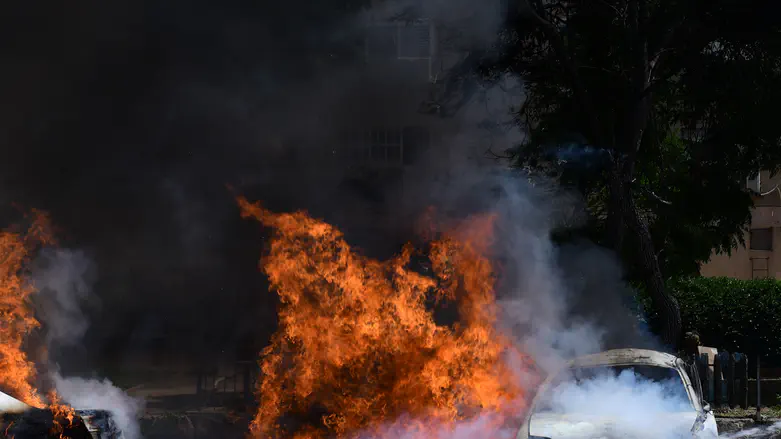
(358, 352)
(17, 371)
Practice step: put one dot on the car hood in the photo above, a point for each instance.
(9, 404)
(576, 426)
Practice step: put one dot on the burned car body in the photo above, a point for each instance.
(101, 424)
(664, 374)
(20, 421)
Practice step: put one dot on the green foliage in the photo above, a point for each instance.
(716, 66)
(732, 314)
(705, 208)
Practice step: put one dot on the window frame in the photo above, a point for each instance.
(751, 240)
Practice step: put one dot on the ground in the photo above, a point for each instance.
(738, 419)
(768, 412)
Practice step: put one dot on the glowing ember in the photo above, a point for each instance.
(17, 372)
(358, 353)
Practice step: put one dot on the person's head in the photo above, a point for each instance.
(691, 340)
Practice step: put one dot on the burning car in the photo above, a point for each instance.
(20, 420)
(100, 424)
(622, 393)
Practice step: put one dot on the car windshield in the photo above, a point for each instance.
(615, 390)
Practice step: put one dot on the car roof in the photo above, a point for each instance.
(617, 357)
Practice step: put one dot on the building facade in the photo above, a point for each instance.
(761, 256)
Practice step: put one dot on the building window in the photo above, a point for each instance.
(393, 146)
(761, 239)
(385, 145)
(416, 142)
(407, 45)
(409, 41)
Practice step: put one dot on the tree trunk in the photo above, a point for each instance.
(664, 304)
(615, 225)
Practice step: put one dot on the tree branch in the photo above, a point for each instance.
(560, 48)
(668, 36)
(639, 110)
(672, 25)
(615, 9)
(658, 198)
(604, 70)
(664, 48)
(653, 86)
(494, 155)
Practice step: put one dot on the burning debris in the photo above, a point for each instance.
(103, 406)
(42, 423)
(32, 415)
(359, 354)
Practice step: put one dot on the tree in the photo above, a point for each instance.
(671, 101)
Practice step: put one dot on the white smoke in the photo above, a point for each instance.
(62, 278)
(620, 405)
(558, 302)
(536, 297)
(406, 428)
(92, 394)
(540, 299)
(561, 302)
(763, 432)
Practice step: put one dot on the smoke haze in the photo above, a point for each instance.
(63, 280)
(91, 394)
(126, 120)
(633, 406)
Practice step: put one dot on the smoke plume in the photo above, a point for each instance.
(634, 407)
(127, 121)
(91, 394)
(764, 432)
(63, 280)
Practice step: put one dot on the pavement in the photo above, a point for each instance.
(769, 428)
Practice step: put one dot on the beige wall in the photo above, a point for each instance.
(745, 263)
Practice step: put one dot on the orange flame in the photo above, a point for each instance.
(17, 372)
(357, 348)
(61, 413)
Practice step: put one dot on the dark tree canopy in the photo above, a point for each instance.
(657, 111)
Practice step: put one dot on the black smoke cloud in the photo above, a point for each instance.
(126, 120)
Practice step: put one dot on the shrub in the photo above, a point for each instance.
(732, 314)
